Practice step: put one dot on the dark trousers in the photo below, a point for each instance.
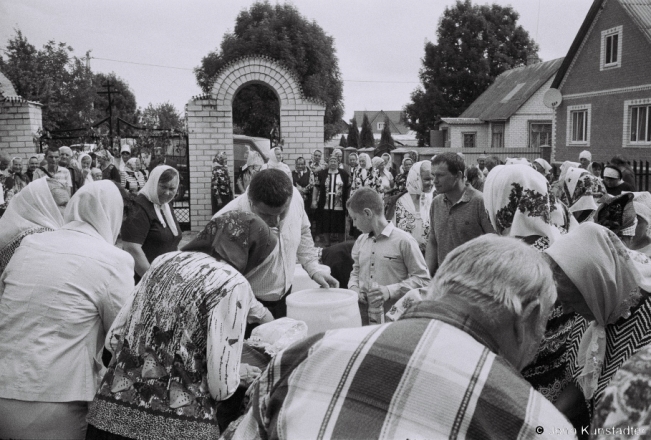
(277, 308)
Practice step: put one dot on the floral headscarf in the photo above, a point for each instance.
(131, 164)
(566, 166)
(609, 277)
(580, 188)
(220, 158)
(518, 203)
(240, 238)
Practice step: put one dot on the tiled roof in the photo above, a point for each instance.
(640, 13)
(462, 121)
(510, 90)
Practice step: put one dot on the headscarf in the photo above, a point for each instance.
(617, 213)
(131, 164)
(544, 164)
(274, 164)
(33, 207)
(415, 186)
(367, 159)
(313, 153)
(150, 191)
(240, 238)
(81, 164)
(402, 165)
(566, 166)
(585, 154)
(104, 154)
(609, 277)
(254, 159)
(612, 172)
(220, 158)
(579, 189)
(517, 161)
(98, 204)
(518, 203)
(377, 161)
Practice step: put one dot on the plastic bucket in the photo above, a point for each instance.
(324, 309)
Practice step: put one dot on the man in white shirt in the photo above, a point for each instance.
(54, 170)
(274, 199)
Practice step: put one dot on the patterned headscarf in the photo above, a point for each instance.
(566, 166)
(104, 154)
(131, 164)
(580, 188)
(240, 238)
(220, 158)
(609, 277)
(617, 213)
(518, 203)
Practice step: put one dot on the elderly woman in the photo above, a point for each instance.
(608, 285)
(386, 178)
(17, 181)
(365, 175)
(412, 209)
(401, 178)
(38, 208)
(221, 191)
(132, 178)
(177, 344)
(276, 162)
(557, 187)
(109, 171)
(152, 229)
(519, 205)
(543, 167)
(253, 164)
(580, 192)
(330, 200)
(614, 182)
(53, 317)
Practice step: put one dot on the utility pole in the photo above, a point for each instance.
(109, 91)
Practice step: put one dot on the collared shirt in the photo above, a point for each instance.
(62, 175)
(391, 259)
(295, 244)
(53, 320)
(451, 225)
(428, 375)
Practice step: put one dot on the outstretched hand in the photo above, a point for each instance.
(325, 280)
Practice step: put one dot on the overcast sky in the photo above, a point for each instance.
(379, 43)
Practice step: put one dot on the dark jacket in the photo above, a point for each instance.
(323, 176)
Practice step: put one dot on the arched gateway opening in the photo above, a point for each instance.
(210, 123)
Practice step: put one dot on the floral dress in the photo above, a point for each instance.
(370, 178)
(221, 187)
(410, 220)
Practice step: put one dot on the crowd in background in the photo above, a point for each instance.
(525, 282)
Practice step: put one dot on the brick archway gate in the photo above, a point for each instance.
(210, 123)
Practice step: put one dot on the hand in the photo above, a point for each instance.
(268, 317)
(313, 205)
(325, 280)
(361, 297)
(379, 292)
(248, 374)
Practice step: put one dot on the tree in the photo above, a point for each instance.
(342, 142)
(366, 139)
(353, 134)
(124, 101)
(386, 140)
(475, 44)
(162, 116)
(282, 33)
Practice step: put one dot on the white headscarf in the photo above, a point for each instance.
(98, 204)
(517, 161)
(150, 190)
(88, 178)
(33, 207)
(518, 203)
(367, 159)
(544, 164)
(415, 186)
(566, 166)
(609, 277)
(274, 164)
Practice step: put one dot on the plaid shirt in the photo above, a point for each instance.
(432, 374)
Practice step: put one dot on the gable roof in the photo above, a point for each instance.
(638, 10)
(395, 117)
(510, 91)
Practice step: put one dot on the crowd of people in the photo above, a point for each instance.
(497, 300)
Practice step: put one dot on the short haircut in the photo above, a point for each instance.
(366, 198)
(472, 173)
(168, 175)
(300, 158)
(618, 159)
(454, 162)
(497, 274)
(271, 187)
(51, 150)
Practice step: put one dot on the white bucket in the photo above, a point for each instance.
(324, 309)
(302, 280)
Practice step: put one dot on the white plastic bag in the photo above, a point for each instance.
(277, 335)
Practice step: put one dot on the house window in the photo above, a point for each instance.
(637, 123)
(578, 124)
(540, 133)
(380, 125)
(497, 136)
(469, 140)
(611, 48)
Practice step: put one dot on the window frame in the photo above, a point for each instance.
(494, 126)
(629, 110)
(468, 133)
(531, 133)
(605, 36)
(380, 125)
(587, 124)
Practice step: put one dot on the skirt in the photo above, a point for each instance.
(332, 222)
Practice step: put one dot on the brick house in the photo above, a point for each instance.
(20, 121)
(377, 118)
(509, 114)
(605, 82)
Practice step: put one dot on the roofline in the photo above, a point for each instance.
(576, 44)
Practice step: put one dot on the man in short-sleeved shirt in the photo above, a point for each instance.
(457, 214)
(53, 169)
